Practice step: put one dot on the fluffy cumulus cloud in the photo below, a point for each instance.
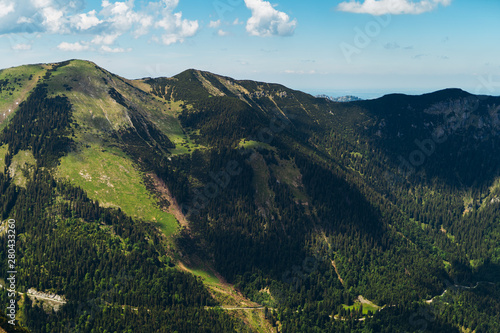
(395, 7)
(53, 20)
(85, 21)
(120, 17)
(6, 7)
(176, 28)
(268, 21)
(102, 27)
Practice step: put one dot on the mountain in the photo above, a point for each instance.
(201, 203)
(342, 99)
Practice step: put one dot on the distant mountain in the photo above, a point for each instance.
(342, 99)
(201, 203)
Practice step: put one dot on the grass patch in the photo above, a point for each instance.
(248, 144)
(288, 173)
(183, 142)
(366, 308)
(15, 85)
(208, 277)
(108, 176)
(3, 152)
(20, 165)
(367, 305)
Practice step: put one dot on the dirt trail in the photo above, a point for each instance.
(337, 271)
(232, 300)
(457, 286)
(225, 293)
(226, 307)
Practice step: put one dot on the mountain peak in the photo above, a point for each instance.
(449, 93)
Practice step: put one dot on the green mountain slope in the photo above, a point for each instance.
(204, 203)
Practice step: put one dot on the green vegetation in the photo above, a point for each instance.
(175, 130)
(207, 276)
(251, 144)
(112, 179)
(296, 203)
(3, 152)
(15, 85)
(5, 326)
(287, 172)
(20, 167)
(366, 307)
(264, 197)
(106, 263)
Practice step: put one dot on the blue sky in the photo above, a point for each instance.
(363, 47)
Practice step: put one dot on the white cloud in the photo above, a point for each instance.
(267, 21)
(121, 17)
(170, 4)
(74, 47)
(176, 29)
(53, 20)
(222, 32)
(214, 24)
(6, 7)
(85, 21)
(24, 19)
(108, 49)
(237, 21)
(22, 47)
(145, 23)
(105, 39)
(395, 7)
(41, 3)
(102, 27)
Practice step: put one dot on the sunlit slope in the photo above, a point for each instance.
(97, 161)
(15, 85)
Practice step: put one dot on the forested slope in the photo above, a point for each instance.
(369, 216)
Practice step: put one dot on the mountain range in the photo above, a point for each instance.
(201, 203)
(341, 99)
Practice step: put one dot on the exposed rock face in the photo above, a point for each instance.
(36, 293)
(464, 114)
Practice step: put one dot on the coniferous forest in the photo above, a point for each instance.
(367, 216)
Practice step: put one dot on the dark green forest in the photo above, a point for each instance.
(304, 205)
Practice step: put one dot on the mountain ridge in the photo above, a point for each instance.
(293, 208)
(191, 70)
